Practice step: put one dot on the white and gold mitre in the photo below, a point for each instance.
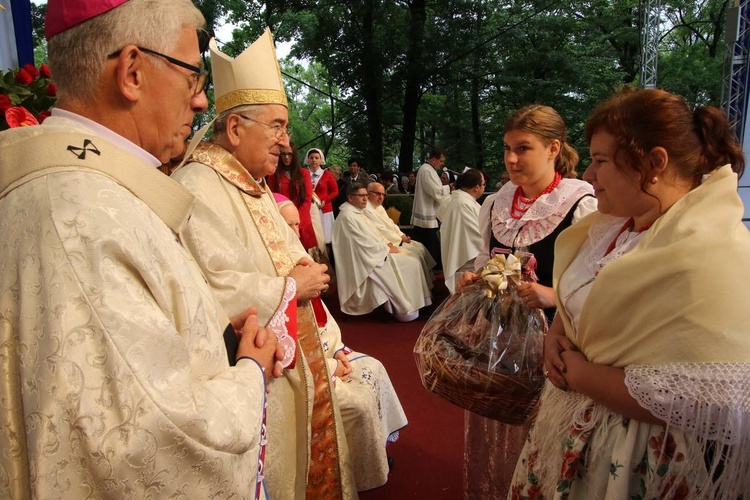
(253, 77)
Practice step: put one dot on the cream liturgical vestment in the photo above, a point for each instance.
(114, 378)
(391, 232)
(369, 276)
(246, 250)
(428, 194)
(460, 237)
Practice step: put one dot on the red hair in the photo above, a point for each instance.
(698, 142)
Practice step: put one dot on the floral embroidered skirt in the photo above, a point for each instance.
(595, 453)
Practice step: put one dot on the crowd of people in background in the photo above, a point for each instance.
(318, 191)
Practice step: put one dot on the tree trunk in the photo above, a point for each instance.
(414, 77)
(478, 149)
(372, 88)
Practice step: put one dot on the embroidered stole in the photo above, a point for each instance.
(324, 474)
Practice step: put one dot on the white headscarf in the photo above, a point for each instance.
(315, 150)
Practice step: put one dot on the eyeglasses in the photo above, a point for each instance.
(199, 76)
(278, 130)
(377, 193)
(363, 195)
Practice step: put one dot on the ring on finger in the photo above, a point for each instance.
(545, 373)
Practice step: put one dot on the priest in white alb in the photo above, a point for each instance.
(460, 237)
(329, 417)
(376, 194)
(371, 270)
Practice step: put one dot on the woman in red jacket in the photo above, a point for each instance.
(294, 182)
(325, 187)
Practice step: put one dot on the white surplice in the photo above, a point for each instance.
(242, 270)
(369, 275)
(460, 237)
(428, 194)
(114, 376)
(391, 232)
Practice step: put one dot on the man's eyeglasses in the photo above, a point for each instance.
(362, 195)
(378, 193)
(199, 76)
(278, 130)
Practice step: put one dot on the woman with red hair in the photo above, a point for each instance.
(648, 357)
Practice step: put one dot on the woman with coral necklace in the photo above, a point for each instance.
(542, 198)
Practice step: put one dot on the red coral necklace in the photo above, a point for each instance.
(629, 225)
(517, 211)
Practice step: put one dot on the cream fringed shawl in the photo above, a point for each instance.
(674, 312)
(681, 295)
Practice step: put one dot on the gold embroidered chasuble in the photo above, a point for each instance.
(113, 373)
(302, 402)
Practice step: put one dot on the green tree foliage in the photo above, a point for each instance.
(384, 80)
(692, 50)
(38, 13)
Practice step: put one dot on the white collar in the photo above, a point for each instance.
(465, 194)
(348, 206)
(108, 135)
(541, 218)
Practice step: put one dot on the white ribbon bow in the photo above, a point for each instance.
(499, 270)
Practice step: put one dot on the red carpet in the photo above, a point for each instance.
(429, 453)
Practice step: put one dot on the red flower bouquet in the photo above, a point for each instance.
(26, 96)
(18, 116)
(5, 102)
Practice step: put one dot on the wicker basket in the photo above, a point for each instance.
(482, 349)
(511, 399)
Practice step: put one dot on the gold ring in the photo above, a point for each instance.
(325, 288)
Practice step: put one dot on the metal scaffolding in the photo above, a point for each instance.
(651, 19)
(734, 93)
(737, 84)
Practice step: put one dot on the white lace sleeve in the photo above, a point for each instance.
(486, 229)
(586, 206)
(710, 400)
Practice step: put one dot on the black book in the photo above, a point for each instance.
(232, 343)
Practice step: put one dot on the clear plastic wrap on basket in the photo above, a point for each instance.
(482, 348)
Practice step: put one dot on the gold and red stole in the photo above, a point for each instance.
(324, 474)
